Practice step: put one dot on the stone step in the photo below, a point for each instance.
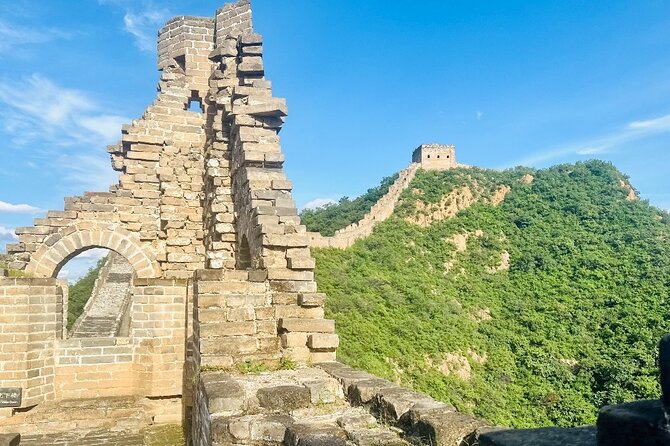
(354, 426)
(121, 413)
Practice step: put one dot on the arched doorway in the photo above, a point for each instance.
(99, 294)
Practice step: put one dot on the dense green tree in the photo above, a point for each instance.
(331, 217)
(571, 324)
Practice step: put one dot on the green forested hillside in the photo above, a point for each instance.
(332, 217)
(535, 311)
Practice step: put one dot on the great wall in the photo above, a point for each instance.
(222, 282)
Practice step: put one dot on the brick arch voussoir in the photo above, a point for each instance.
(49, 258)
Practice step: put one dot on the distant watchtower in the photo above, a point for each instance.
(435, 156)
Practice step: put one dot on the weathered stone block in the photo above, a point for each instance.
(270, 428)
(315, 434)
(224, 396)
(391, 404)
(283, 398)
(251, 39)
(323, 341)
(10, 439)
(323, 390)
(363, 392)
(545, 436)
(638, 423)
(289, 340)
(301, 263)
(311, 299)
(306, 325)
(443, 426)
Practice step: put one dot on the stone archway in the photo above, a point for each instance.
(59, 248)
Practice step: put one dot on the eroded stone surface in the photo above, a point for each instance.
(548, 436)
(640, 423)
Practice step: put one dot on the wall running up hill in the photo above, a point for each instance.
(383, 209)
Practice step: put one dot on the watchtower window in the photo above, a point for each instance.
(428, 156)
(438, 156)
(181, 62)
(195, 103)
(244, 254)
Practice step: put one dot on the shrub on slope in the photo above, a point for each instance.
(332, 217)
(569, 323)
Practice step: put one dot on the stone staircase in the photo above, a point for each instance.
(128, 414)
(109, 301)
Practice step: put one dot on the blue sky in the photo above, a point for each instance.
(509, 83)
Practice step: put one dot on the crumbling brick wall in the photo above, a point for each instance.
(202, 203)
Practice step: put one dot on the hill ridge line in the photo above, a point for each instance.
(380, 211)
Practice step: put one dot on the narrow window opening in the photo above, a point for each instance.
(181, 62)
(244, 255)
(195, 103)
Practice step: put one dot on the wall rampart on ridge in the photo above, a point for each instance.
(380, 211)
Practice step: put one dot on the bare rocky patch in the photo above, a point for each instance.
(448, 207)
(632, 195)
(499, 195)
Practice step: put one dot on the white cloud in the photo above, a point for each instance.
(77, 267)
(94, 254)
(7, 234)
(93, 173)
(107, 126)
(142, 19)
(633, 131)
(37, 109)
(658, 124)
(144, 27)
(592, 150)
(319, 202)
(13, 36)
(17, 208)
(479, 114)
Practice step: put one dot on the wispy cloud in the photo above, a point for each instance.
(43, 117)
(318, 203)
(634, 131)
(18, 208)
(142, 22)
(7, 234)
(88, 172)
(13, 36)
(144, 26)
(77, 267)
(662, 124)
(37, 109)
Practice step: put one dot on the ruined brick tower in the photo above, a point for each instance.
(202, 211)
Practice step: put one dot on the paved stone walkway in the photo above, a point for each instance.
(170, 435)
(90, 439)
(103, 317)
